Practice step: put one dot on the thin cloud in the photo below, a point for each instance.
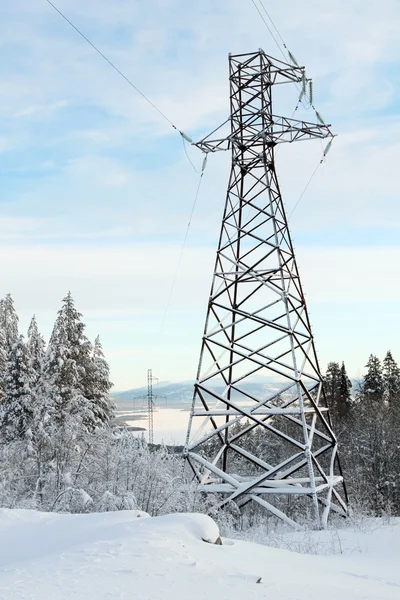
(86, 159)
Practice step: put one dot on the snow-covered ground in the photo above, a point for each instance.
(126, 555)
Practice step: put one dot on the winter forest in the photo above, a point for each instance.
(60, 451)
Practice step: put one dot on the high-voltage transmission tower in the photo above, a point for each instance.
(248, 441)
(150, 403)
(150, 397)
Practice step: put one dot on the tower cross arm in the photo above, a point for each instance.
(271, 130)
(284, 130)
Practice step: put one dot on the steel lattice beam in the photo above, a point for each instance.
(257, 324)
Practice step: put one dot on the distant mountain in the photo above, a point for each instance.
(181, 393)
(172, 393)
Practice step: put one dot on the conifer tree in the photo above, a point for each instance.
(36, 347)
(8, 322)
(19, 400)
(66, 365)
(79, 346)
(8, 335)
(3, 360)
(332, 384)
(97, 387)
(62, 377)
(373, 381)
(345, 386)
(391, 379)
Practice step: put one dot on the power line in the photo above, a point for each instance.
(291, 57)
(324, 153)
(309, 96)
(273, 24)
(184, 137)
(269, 29)
(182, 249)
(305, 189)
(112, 65)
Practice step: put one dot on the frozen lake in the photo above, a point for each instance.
(170, 424)
(172, 407)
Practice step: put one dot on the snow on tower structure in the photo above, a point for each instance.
(276, 446)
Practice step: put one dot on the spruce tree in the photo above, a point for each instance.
(391, 379)
(8, 322)
(332, 385)
(8, 335)
(345, 386)
(36, 347)
(62, 376)
(97, 387)
(373, 381)
(66, 365)
(3, 360)
(79, 346)
(19, 399)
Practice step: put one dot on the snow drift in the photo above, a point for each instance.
(127, 555)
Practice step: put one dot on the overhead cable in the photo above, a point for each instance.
(115, 67)
(302, 90)
(292, 58)
(305, 189)
(183, 243)
(269, 29)
(273, 25)
(325, 152)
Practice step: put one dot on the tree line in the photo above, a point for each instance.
(366, 421)
(52, 397)
(65, 385)
(59, 447)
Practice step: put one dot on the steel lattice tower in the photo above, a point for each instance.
(150, 404)
(274, 447)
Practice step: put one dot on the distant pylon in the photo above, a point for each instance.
(150, 404)
(275, 448)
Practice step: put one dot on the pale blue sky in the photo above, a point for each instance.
(96, 190)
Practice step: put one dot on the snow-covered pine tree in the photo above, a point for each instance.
(67, 362)
(19, 400)
(97, 387)
(332, 385)
(8, 321)
(344, 398)
(79, 345)
(41, 435)
(372, 388)
(8, 335)
(59, 387)
(391, 379)
(3, 360)
(61, 377)
(36, 347)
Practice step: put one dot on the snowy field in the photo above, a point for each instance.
(126, 555)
